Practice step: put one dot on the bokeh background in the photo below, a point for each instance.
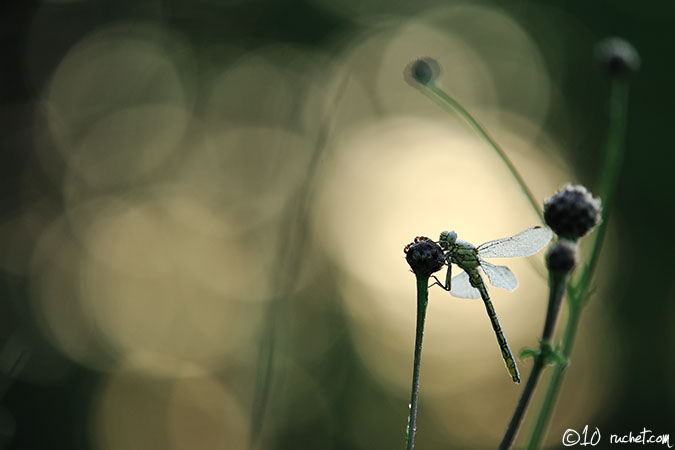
(198, 193)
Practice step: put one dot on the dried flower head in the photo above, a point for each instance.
(424, 256)
(572, 212)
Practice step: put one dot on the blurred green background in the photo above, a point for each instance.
(185, 183)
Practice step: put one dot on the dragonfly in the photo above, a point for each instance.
(469, 283)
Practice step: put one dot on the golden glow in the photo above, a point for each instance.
(179, 185)
(195, 412)
(390, 177)
(116, 106)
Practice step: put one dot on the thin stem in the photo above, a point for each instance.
(294, 235)
(612, 166)
(422, 300)
(613, 159)
(546, 408)
(523, 403)
(446, 101)
(558, 285)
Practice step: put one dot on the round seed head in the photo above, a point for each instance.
(617, 56)
(562, 256)
(422, 71)
(572, 212)
(424, 256)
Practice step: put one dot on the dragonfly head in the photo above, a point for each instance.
(447, 239)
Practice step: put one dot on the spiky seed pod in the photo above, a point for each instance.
(572, 212)
(424, 256)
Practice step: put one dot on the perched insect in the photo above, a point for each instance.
(469, 283)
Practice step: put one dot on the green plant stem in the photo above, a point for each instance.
(613, 158)
(447, 102)
(422, 300)
(294, 235)
(557, 288)
(546, 408)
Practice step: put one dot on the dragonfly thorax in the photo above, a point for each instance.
(464, 254)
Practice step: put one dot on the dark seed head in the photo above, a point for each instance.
(424, 256)
(422, 71)
(572, 212)
(617, 56)
(562, 256)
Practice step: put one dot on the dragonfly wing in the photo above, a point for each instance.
(525, 243)
(500, 276)
(461, 287)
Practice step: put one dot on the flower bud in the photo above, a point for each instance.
(617, 56)
(572, 212)
(562, 256)
(422, 71)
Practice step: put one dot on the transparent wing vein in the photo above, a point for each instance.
(500, 276)
(461, 287)
(525, 243)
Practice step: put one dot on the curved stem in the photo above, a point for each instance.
(422, 300)
(558, 285)
(449, 103)
(612, 166)
(294, 235)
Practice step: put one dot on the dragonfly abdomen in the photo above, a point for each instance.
(477, 282)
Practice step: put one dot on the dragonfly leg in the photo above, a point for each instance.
(448, 274)
(438, 282)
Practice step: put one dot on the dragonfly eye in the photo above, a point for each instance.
(447, 238)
